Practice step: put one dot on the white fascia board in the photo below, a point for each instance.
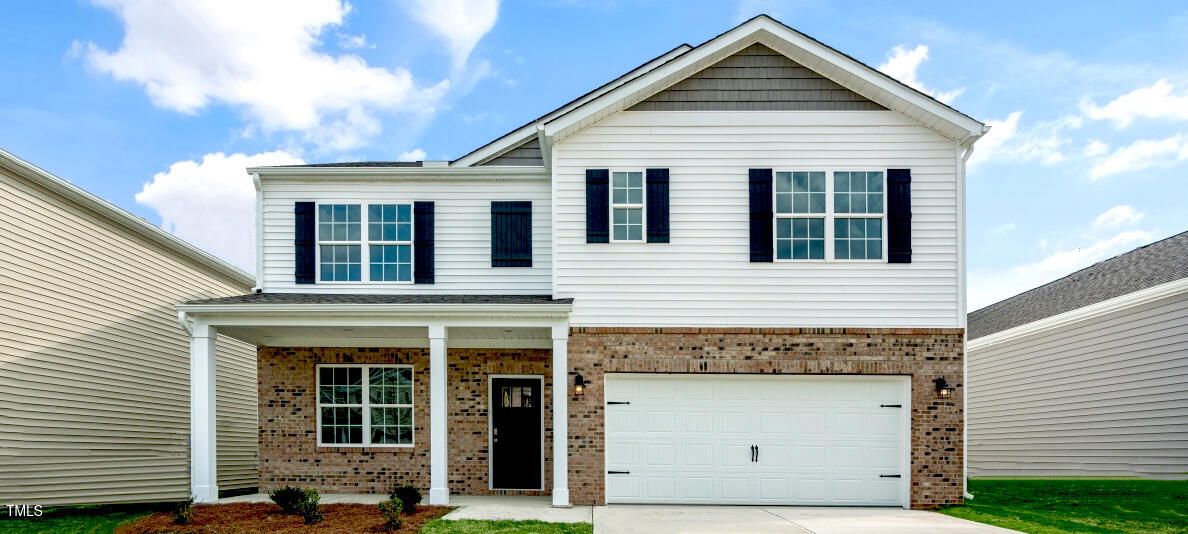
(1129, 300)
(372, 310)
(522, 134)
(123, 218)
(762, 30)
(461, 174)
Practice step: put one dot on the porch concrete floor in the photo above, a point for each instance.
(517, 508)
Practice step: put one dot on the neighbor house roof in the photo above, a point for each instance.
(1144, 267)
(684, 61)
(121, 217)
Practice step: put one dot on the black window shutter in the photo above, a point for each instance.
(657, 195)
(899, 215)
(304, 241)
(761, 217)
(597, 211)
(511, 234)
(423, 242)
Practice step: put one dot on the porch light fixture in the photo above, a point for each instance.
(943, 389)
(579, 385)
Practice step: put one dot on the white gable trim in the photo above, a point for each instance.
(518, 136)
(826, 61)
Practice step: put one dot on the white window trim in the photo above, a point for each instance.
(365, 406)
(642, 207)
(829, 214)
(364, 244)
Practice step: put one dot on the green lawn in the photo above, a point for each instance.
(80, 519)
(1088, 506)
(471, 526)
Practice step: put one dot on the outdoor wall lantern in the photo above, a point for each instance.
(943, 389)
(579, 385)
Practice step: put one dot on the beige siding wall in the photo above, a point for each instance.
(94, 367)
(1100, 397)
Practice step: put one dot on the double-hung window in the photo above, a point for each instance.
(387, 234)
(800, 215)
(365, 405)
(829, 215)
(627, 206)
(339, 245)
(858, 224)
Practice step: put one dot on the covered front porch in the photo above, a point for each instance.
(353, 387)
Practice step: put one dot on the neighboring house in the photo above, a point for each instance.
(732, 275)
(94, 367)
(1086, 376)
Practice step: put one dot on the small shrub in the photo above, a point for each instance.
(409, 497)
(308, 507)
(183, 511)
(287, 498)
(391, 509)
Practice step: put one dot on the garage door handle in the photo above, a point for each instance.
(888, 476)
(618, 402)
(890, 406)
(618, 472)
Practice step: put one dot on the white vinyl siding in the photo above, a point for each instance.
(1106, 396)
(703, 276)
(462, 231)
(94, 366)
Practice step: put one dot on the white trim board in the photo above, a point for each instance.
(1129, 300)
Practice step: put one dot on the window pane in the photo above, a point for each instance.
(841, 229)
(619, 179)
(635, 196)
(800, 182)
(635, 179)
(874, 203)
(816, 249)
(783, 182)
(387, 260)
(817, 203)
(800, 203)
(635, 233)
(620, 232)
(799, 227)
(874, 249)
(816, 228)
(784, 249)
(857, 249)
(841, 249)
(337, 261)
(841, 202)
(783, 228)
(857, 182)
(620, 196)
(817, 182)
(800, 249)
(784, 203)
(841, 182)
(874, 181)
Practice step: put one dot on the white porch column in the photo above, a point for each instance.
(203, 474)
(439, 491)
(561, 416)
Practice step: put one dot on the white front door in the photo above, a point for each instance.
(757, 439)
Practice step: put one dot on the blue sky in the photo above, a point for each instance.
(156, 106)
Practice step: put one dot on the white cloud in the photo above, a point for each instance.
(1096, 148)
(258, 57)
(1117, 216)
(902, 64)
(1154, 102)
(460, 23)
(353, 42)
(212, 203)
(1001, 230)
(1007, 141)
(415, 154)
(1142, 154)
(986, 288)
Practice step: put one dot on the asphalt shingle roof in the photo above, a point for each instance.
(1147, 266)
(335, 298)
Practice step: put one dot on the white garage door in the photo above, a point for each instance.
(757, 439)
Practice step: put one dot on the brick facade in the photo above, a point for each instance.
(289, 455)
(288, 442)
(925, 354)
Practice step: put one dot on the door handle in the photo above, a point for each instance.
(756, 453)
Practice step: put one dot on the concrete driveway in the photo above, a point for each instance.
(660, 519)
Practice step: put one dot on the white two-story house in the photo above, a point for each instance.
(734, 274)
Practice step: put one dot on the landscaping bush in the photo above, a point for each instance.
(183, 511)
(391, 509)
(308, 507)
(287, 498)
(409, 497)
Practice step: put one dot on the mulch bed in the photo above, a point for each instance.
(266, 518)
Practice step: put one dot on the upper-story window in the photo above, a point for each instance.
(387, 234)
(339, 246)
(851, 205)
(627, 206)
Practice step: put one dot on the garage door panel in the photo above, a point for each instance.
(822, 440)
